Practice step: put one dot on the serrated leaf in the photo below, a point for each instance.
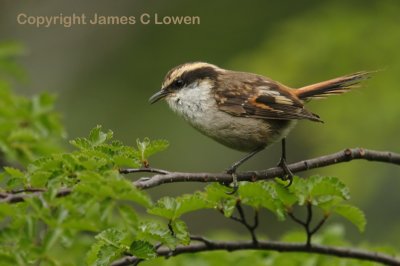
(146, 148)
(165, 207)
(39, 178)
(261, 195)
(110, 245)
(123, 161)
(189, 203)
(14, 183)
(106, 254)
(110, 184)
(318, 189)
(353, 214)
(112, 236)
(329, 186)
(93, 253)
(80, 143)
(142, 249)
(181, 231)
(97, 137)
(156, 231)
(173, 208)
(14, 172)
(156, 146)
(287, 198)
(300, 188)
(217, 198)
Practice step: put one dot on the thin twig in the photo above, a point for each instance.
(143, 170)
(307, 223)
(27, 190)
(272, 246)
(242, 219)
(201, 239)
(319, 225)
(271, 173)
(21, 196)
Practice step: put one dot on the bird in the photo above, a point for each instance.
(244, 111)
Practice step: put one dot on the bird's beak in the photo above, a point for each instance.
(158, 96)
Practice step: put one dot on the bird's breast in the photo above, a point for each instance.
(198, 107)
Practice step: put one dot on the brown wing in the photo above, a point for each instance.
(250, 95)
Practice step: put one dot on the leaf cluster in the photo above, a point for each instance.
(102, 202)
(29, 127)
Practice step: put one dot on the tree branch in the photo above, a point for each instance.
(21, 195)
(164, 177)
(322, 161)
(143, 170)
(209, 245)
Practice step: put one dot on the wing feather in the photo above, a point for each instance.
(250, 95)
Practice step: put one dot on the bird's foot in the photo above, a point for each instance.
(234, 184)
(288, 174)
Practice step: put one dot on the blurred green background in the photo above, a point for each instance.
(105, 75)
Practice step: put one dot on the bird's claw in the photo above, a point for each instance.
(235, 184)
(288, 174)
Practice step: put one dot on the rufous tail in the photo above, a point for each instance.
(332, 87)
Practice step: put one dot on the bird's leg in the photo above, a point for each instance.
(232, 169)
(282, 163)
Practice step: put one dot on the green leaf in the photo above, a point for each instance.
(189, 203)
(217, 198)
(22, 135)
(318, 189)
(106, 254)
(97, 137)
(14, 172)
(81, 143)
(146, 148)
(123, 161)
(156, 146)
(110, 245)
(113, 237)
(353, 214)
(39, 178)
(173, 208)
(110, 184)
(165, 207)
(329, 186)
(261, 195)
(287, 198)
(92, 254)
(14, 183)
(156, 231)
(181, 231)
(142, 249)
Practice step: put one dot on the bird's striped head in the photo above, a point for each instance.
(186, 76)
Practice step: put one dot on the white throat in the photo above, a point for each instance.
(194, 103)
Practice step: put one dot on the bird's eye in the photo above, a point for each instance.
(179, 83)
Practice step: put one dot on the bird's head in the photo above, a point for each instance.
(186, 77)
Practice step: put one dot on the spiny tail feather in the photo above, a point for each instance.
(332, 87)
